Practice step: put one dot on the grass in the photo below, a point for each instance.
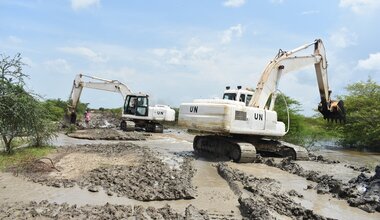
(20, 155)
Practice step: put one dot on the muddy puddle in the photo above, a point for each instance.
(357, 158)
(340, 171)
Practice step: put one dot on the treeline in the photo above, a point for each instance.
(362, 127)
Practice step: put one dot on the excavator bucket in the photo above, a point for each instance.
(333, 111)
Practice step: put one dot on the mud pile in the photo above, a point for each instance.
(320, 158)
(107, 134)
(370, 199)
(104, 119)
(264, 199)
(361, 192)
(151, 180)
(46, 210)
(146, 179)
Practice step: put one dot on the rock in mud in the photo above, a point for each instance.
(320, 158)
(295, 193)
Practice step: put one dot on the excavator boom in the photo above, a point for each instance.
(286, 62)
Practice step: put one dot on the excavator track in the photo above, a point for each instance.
(243, 149)
(269, 147)
(238, 151)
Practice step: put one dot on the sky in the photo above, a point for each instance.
(177, 50)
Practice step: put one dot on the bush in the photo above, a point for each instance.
(362, 129)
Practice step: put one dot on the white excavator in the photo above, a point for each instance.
(136, 111)
(244, 122)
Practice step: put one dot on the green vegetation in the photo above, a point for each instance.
(303, 130)
(20, 155)
(362, 127)
(56, 109)
(362, 103)
(21, 113)
(296, 126)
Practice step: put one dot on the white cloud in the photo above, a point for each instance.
(310, 12)
(184, 56)
(81, 4)
(360, 6)
(277, 1)
(371, 63)
(343, 38)
(234, 31)
(58, 66)
(85, 52)
(234, 3)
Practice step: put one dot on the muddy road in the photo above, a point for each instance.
(157, 176)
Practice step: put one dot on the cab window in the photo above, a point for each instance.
(242, 98)
(229, 96)
(249, 97)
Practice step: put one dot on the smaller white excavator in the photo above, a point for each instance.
(136, 111)
(240, 124)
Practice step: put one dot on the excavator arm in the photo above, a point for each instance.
(286, 62)
(98, 83)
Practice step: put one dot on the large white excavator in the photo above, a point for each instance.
(240, 124)
(136, 111)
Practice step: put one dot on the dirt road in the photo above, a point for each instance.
(159, 178)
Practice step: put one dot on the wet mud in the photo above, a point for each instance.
(46, 210)
(260, 198)
(138, 178)
(107, 134)
(361, 191)
(143, 176)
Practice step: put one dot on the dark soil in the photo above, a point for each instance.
(149, 179)
(367, 199)
(264, 199)
(152, 180)
(107, 134)
(46, 210)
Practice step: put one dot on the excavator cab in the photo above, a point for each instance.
(333, 111)
(239, 94)
(137, 105)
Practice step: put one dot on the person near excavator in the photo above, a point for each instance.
(87, 118)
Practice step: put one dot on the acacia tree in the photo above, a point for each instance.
(21, 114)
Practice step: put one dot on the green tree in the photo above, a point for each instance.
(56, 109)
(21, 114)
(362, 129)
(296, 119)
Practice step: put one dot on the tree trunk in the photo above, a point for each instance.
(7, 142)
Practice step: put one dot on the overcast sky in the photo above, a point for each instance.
(178, 50)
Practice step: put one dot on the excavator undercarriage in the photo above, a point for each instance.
(243, 148)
